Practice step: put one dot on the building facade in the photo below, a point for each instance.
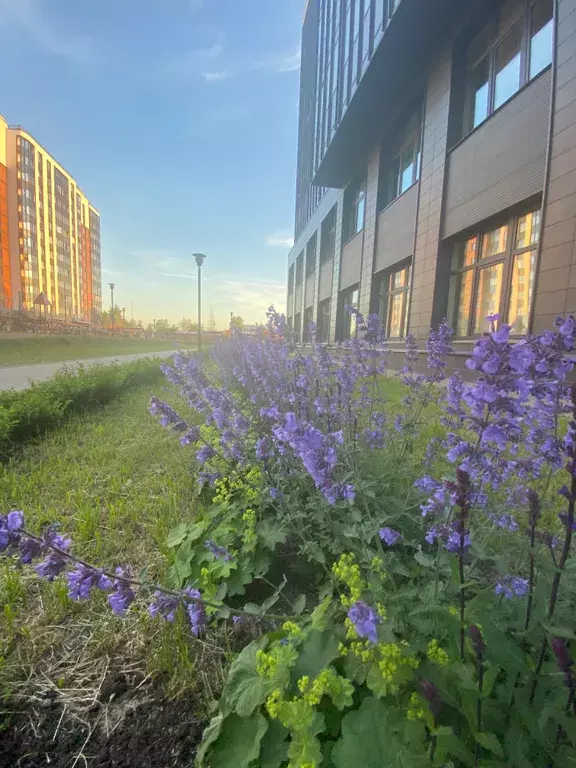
(436, 166)
(49, 233)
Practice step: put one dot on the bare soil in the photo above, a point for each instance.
(132, 725)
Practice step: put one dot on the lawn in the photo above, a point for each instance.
(49, 349)
(117, 483)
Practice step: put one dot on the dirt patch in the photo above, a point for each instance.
(131, 726)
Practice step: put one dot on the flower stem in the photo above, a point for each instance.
(144, 585)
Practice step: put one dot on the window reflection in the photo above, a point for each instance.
(521, 291)
(489, 293)
(494, 242)
(508, 61)
(541, 33)
(459, 302)
(393, 293)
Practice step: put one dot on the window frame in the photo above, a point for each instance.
(506, 258)
(325, 228)
(386, 293)
(495, 39)
(355, 197)
(310, 252)
(323, 330)
(345, 318)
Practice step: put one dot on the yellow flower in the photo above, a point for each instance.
(415, 709)
(292, 629)
(273, 703)
(437, 654)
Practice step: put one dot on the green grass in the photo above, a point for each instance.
(116, 482)
(48, 349)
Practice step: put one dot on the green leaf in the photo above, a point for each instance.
(490, 741)
(274, 747)
(319, 620)
(564, 632)
(427, 562)
(490, 676)
(271, 534)
(304, 746)
(177, 535)
(245, 689)
(299, 605)
(316, 652)
(368, 739)
(210, 735)
(239, 742)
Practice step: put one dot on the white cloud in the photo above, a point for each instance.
(216, 77)
(28, 16)
(176, 274)
(290, 63)
(280, 240)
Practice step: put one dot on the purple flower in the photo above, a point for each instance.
(348, 492)
(390, 536)
(55, 562)
(456, 540)
(191, 436)
(83, 579)
(365, 620)
(122, 595)
(164, 606)
(196, 613)
(512, 586)
(30, 549)
(218, 552)
(204, 454)
(15, 520)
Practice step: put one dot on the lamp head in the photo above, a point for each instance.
(199, 258)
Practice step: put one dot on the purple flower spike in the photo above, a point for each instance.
(83, 579)
(164, 606)
(365, 620)
(55, 562)
(15, 520)
(196, 613)
(122, 595)
(512, 586)
(390, 536)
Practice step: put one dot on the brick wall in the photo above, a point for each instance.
(431, 193)
(556, 282)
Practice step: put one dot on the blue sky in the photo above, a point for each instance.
(179, 120)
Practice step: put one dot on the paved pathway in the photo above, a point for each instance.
(20, 376)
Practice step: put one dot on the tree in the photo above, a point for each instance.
(211, 320)
(187, 325)
(236, 322)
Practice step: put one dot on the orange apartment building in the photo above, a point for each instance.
(49, 232)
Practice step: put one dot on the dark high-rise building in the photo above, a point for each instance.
(436, 165)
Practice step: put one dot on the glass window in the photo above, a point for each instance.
(459, 301)
(489, 295)
(354, 209)
(323, 331)
(328, 237)
(407, 168)
(494, 242)
(480, 92)
(504, 286)
(541, 29)
(349, 297)
(394, 288)
(522, 286)
(508, 64)
(528, 230)
(464, 254)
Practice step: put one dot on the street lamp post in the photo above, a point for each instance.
(112, 286)
(199, 261)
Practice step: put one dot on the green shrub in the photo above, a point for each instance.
(30, 413)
